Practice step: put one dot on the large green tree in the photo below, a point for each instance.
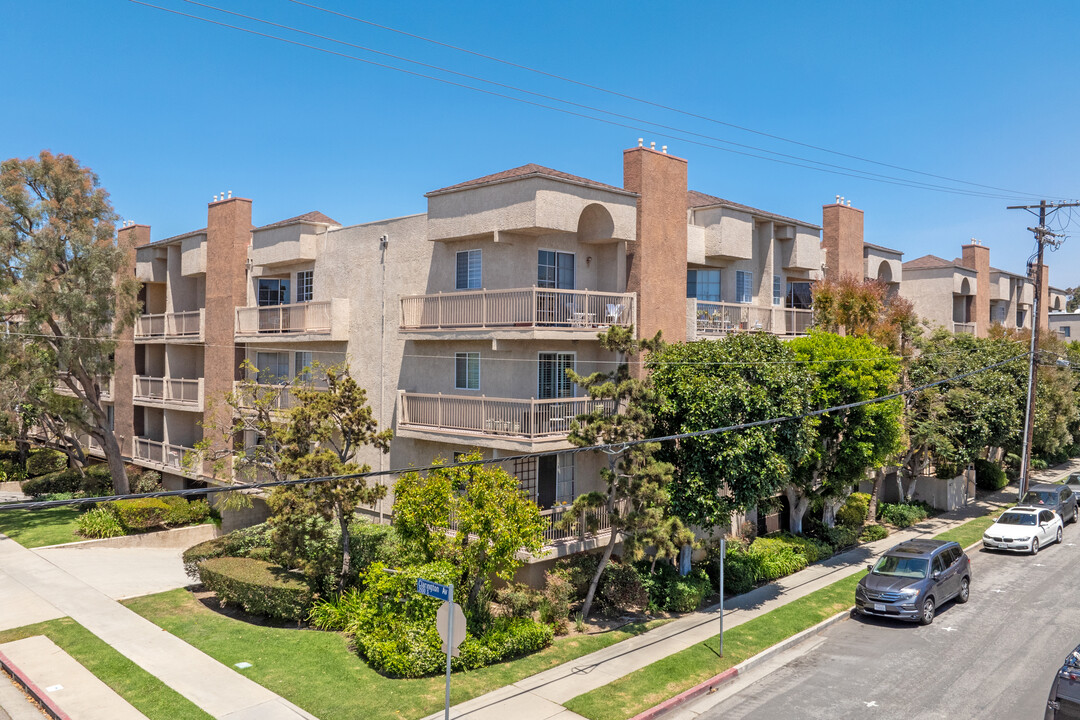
(847, 442)
(743, 378)
(61, 283)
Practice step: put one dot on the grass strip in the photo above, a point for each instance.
(319, 672)
(146, 693)
(666, 678)
(37, 528)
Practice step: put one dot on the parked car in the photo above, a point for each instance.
(911, 580)
(1059, 498)
(1073, 482)
(1064, 700)
(1023, 529)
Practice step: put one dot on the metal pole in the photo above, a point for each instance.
(449, 648)
(1029, 411)
(723, 557)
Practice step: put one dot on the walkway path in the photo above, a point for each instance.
(540, 697)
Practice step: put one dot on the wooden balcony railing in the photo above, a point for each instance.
(307, 317)
(162, 454)
(181, 391)
(496, 417)
(718, 318)
(180, 325)
(520, 308)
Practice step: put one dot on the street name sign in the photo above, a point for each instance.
(433, 589)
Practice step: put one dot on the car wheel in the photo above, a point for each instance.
(927, 615)
(1034, 546)
(1058, 540)
(965, 591)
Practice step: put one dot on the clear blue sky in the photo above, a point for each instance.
(169, 111)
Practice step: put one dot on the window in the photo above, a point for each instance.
(467, 370)
(273, 291)
(302, 366)
(1066, 331)
(703, 285)
(273, 367)
(525, 472)
(939, 564)
(305, 285)
(551, 376)
(1020, 317)
(555, 270)
(110, 416)
(468, 270)
(777, 296)
(564, 483)
(744, 286)
(800, 295)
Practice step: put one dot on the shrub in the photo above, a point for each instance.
(989, 475)
(810, 548)
(852, 513)
(741, 570)
(621, 589)
(101, 522)
(667, 590)
(145, 481)
(902, 515)
(239, 543)
(141, 513)
(555, 604)
(871, 533)
(60, 481)
(778, 562)
(335, 613)
(98, 481)
(185, 512)
(579, 570)
(370, 542)
(13, 470)
(840, 536)
(44, 461)
(520, 600)
(1038, 464)
(258, 587)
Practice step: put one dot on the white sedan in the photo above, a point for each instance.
(1023, 529)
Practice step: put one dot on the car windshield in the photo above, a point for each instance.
(1040, 497)
(1015, 518)
(901, 566)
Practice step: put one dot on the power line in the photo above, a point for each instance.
(609, 447)
(850, 172)
(649, 102)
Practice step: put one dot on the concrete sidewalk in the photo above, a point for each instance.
(219, 690)
(540, 697)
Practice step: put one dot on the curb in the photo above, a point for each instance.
(731, 673)
(32, 690)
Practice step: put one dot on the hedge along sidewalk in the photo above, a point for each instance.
(543, 695)
(639, 691)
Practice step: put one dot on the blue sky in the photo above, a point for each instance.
(169, 111)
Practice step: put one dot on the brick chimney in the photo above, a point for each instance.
(977, 257)
(228, 234)
(123, 389)
(842, 241)
(656, 262)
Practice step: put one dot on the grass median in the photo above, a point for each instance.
(320, 673)
(666, 678)
(146, 693)
(37, 528)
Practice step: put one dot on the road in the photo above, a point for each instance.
(992, 658)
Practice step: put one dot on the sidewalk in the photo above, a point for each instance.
(540, 697)
(218, 690)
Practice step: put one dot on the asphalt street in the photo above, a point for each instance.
(992, 658)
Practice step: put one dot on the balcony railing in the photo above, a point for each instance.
(718, 318)
(308, 317)
(280, 397)
(521, 308)
(959, 327)
(179, 325)
(496, 417)
(162, 454)
(89, 444)
(104, 383)
(179, 391)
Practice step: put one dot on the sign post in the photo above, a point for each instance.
(723, 557)
(451, 630)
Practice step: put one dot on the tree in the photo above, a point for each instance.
(743, 378)
(636, 494)
(492, 518)
(59, 255)
(866, 309)
(845, 370)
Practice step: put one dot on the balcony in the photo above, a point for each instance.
(716, 319)
(959, 327)
(277, 397)
(90, 446)
(298, 322)
(539, 313)
(561, 541)
(176, 393)
(104, 383)
(170, 327)
(504, 423)
(163, 456)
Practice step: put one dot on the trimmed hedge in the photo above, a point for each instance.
(871, 533)
(852, 513)
(989, 475)
(44, 461)
(258, 587)
(239, 543)
(141, 513)
(60, 481)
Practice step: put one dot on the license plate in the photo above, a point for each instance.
(878, 607)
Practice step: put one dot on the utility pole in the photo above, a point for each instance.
(1043, 236)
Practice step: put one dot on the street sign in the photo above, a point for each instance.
(433, 589)
(442, 624)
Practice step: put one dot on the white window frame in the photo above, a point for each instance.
(556, 353)
(777, 293)
(564, 479)
(471, 280)
(305, 285)
(749, 297)
(557, 253)
(468, 358)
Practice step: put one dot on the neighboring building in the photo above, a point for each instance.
(1066, 325)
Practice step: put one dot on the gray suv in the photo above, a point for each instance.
(1046, 496)
(1064, 700)
(913, 579)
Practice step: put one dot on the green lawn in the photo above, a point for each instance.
(148, 694)
(35, 528)
(317, 670)
(663, 679)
